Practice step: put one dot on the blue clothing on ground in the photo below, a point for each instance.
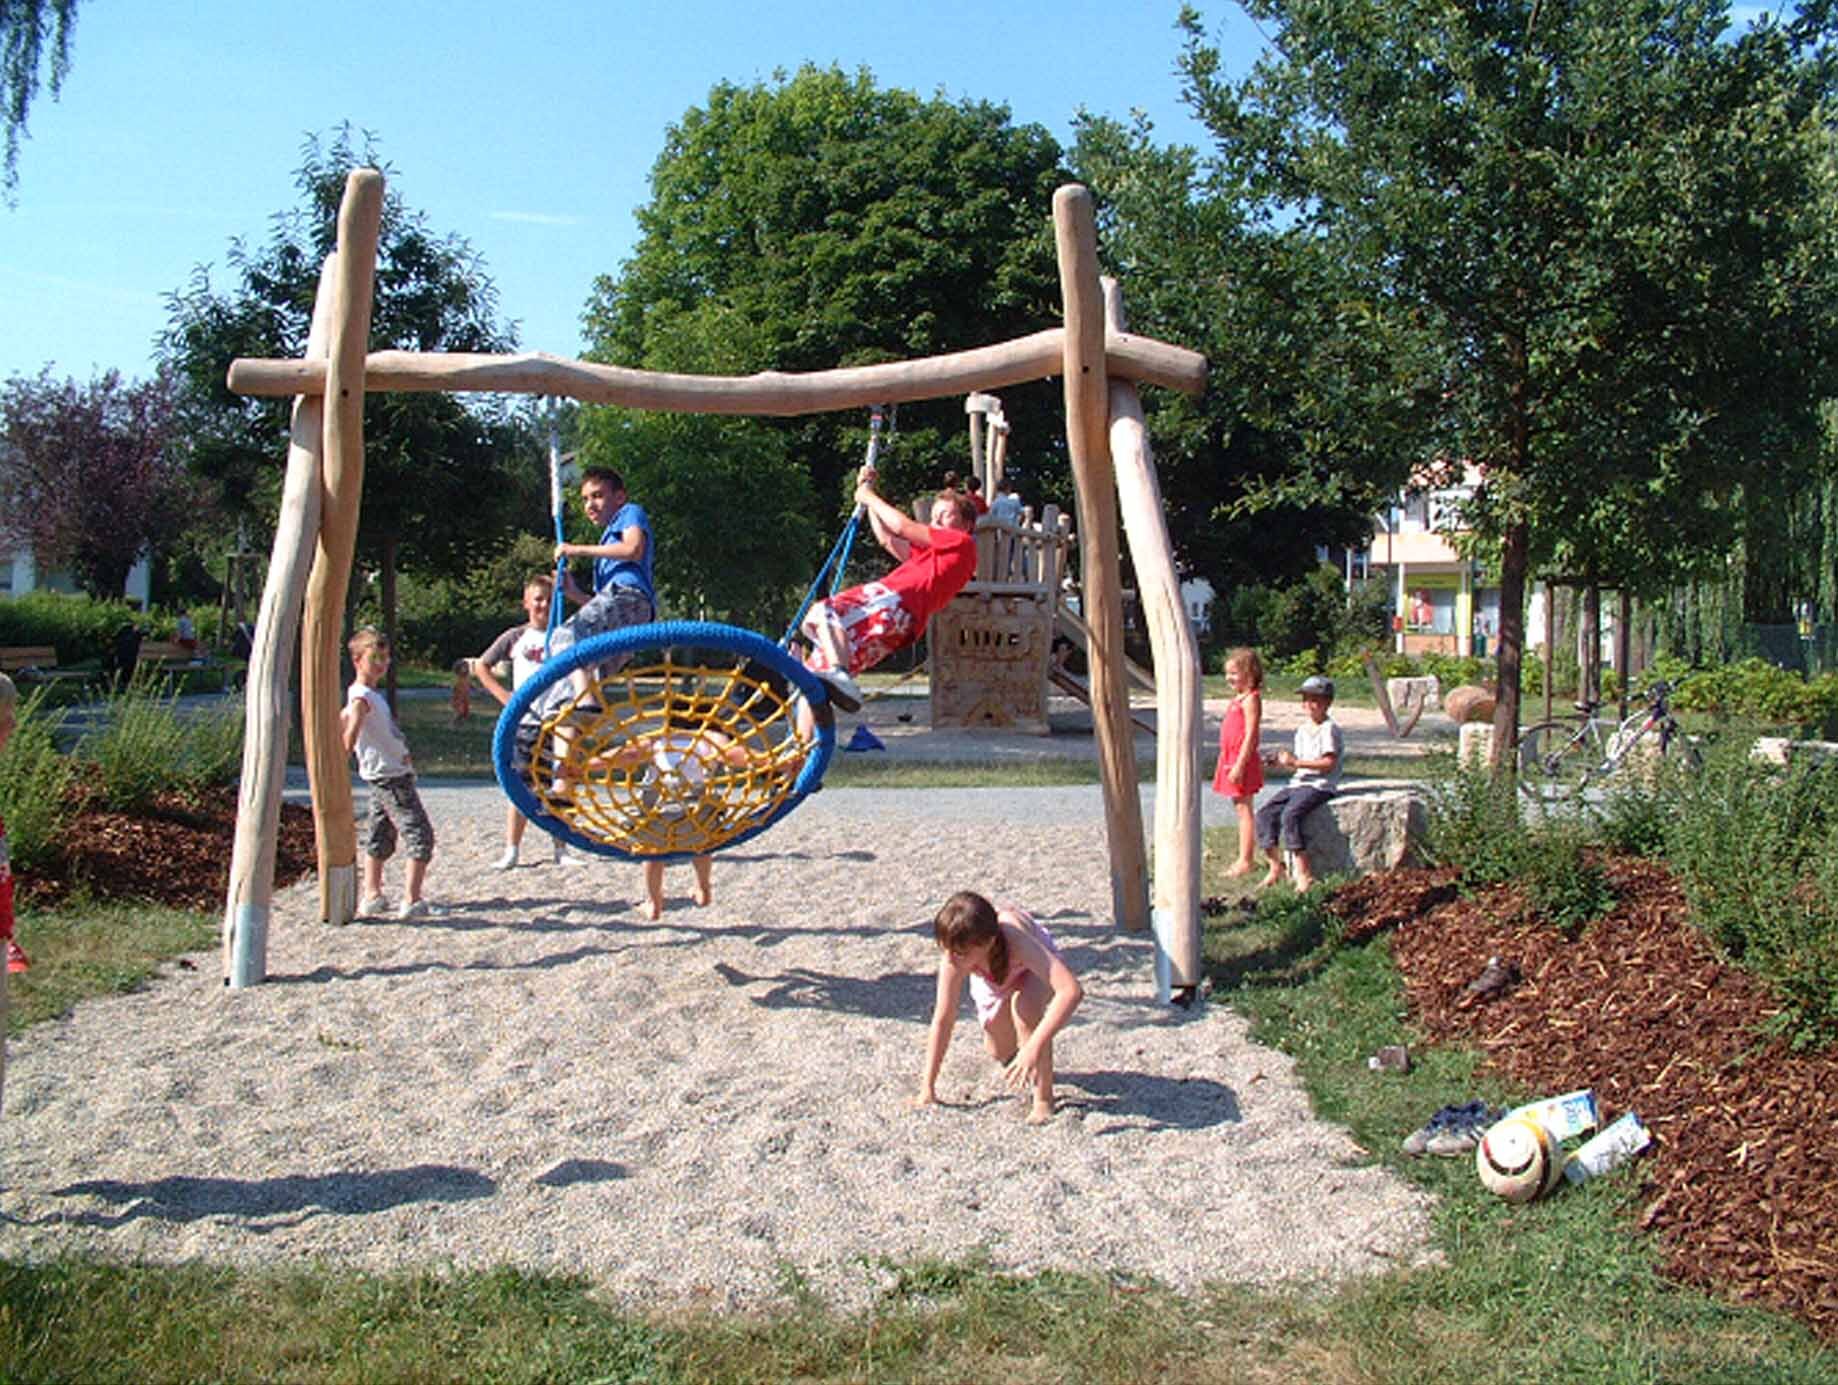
(627, 572)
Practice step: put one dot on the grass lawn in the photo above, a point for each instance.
(1564, 1290)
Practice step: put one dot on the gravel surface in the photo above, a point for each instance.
(685, 1110)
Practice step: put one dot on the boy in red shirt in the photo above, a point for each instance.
(857, 628)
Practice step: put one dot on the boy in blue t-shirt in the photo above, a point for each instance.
(624, 593)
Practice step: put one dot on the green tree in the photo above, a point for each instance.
(1250, 490)
(1606, 226)
(93, 476)
(821, 221)
(26, 27)
(447, 479)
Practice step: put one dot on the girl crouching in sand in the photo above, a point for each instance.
(1023, 989)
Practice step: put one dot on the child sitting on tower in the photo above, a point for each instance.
(855, 629)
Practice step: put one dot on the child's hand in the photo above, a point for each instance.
(1020, 1070)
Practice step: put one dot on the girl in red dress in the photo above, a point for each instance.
(1240, 773)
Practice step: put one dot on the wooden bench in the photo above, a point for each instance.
(170, 654)
(36, 663)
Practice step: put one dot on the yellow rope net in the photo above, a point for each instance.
(669, 757)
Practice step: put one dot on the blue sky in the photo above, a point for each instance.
(529, 129)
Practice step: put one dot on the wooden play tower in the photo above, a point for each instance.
(309, 572)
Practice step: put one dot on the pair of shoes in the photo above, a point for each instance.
(417, 909)
(16, 959)
(845, 696)
(507, 860)
(1453, 1130)
(375, 907)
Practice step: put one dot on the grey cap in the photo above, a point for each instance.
(1317, 686)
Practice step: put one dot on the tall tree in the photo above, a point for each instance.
(26, 28)
(92, 476)
(1606, 225)
(446, 479)
(821, 221)
(1250, 491)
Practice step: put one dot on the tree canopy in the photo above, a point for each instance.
(92, 475)
(446, 479)
(34, 36)
(1598, 232)
(819, 221)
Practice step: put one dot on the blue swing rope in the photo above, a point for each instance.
(558, 509)
(837, 563)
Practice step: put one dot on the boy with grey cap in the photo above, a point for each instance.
(1316, 764)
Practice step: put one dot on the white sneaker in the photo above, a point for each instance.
(845, 695)
(375, 907)
(507, 860)
(416, 909)
(568, 860)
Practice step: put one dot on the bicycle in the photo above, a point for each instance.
(1559, 760)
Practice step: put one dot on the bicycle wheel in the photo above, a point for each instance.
(1553, 761)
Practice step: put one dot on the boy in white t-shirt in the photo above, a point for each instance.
(522, 645)
(1316, 762)
(384, 764)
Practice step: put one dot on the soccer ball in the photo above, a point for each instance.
(1518, 1160)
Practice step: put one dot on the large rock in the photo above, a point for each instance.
(1406, 693)
(1468, 703)
(1781, 750)
(1363, 829)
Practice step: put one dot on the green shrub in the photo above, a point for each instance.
(1562, 881)
(79, 627)
(1753, 850)
(213, 748)
(1473, 822)
(1760, 690)
(1453, 671)
(139, 747)
(34, 783)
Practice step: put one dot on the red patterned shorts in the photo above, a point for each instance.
(868, 621)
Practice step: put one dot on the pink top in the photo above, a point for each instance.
(989, 995)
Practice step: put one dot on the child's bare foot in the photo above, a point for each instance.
(1041, 1114)
(1304, 882)
(1238, 868)
(653, 910)
(704, 897)
(1274, 876)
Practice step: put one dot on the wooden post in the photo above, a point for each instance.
(980, 407)
(360, 218)
(998, 451)
(1175, 911)
(271, 660)
(1088, 445)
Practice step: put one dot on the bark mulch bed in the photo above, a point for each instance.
(175, 851)
(1738, 1184)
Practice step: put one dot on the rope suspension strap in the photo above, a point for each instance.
(683, 742)
(558, 508)
(838, 562)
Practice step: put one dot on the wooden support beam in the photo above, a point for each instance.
(1088, 445)
(267, 706)
(360, 218)
(1175, 902)
(776, 393)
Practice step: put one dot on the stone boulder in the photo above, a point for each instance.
(1781, 750)
(1366, 828)
(1468, 703)
(1406, 693)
